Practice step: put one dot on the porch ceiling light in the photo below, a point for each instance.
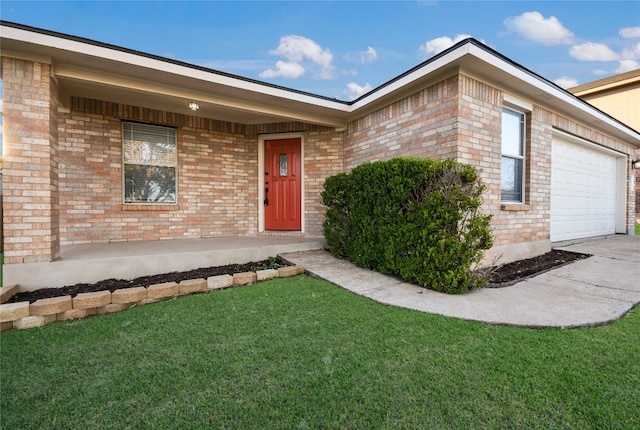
(194, 106)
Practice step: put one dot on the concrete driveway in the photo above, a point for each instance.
(588, 292)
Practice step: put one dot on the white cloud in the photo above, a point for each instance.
(301, 53)
(566, 82)
(369, 55)
(591, 51)
(284, 69)
(600, 72)
(354, 90)
(439, 44)
(631, 53)
(627, 66)
(535, 27)
(630, 32)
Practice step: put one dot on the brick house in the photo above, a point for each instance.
(101, 145)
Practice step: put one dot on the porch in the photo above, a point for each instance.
(128, 260)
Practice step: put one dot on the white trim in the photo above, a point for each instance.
(522, 157)
(575, 139)
(547, 88)
(116, 55)
(516, 103)
(261, 143)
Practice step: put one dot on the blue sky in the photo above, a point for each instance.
(343, 49)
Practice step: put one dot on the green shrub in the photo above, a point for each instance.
(415, 218)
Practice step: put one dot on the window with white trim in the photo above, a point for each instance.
(513, 156)
(150, 160)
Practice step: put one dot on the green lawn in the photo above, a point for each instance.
(300, 353)
(638, 229)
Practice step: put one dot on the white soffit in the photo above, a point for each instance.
(159, 65)
(549, 91)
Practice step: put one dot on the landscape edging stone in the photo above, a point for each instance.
(64, 308)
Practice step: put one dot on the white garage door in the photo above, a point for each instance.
(583, 191)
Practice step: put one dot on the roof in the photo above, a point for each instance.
(106, 72)
(611, 82)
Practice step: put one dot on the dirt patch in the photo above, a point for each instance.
(509, 274)
(500, 276)
(145, 281)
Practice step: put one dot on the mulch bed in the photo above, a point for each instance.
(500, 276)
(144, 281)
(509, 274)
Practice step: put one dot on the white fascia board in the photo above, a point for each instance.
(116, 55)
(412, 77)
(546, 87)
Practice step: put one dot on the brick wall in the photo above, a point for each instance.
(217, 176)
(30, 171)
(460, 118)
(323, 157)
(422, 125)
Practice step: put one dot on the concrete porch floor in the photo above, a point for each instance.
(91, 263)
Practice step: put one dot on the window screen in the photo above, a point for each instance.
(150, 161)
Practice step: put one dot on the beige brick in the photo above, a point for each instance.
(6, 325)
(129, 295)
(76, 314)
(284, 272)
(192, 286)
(6, 293)
(91, 300)
(14, 311)
(52, 306)
(220, 281)
(244, 278)
(33, 321)
(148, 301)
(112, 308)
(162, 291)
(263, 275)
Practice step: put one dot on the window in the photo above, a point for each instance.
(513, 132)
(150, 161)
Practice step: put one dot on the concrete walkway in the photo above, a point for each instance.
(588, 292)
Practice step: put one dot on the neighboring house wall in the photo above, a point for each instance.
(621, 103)
(618, 96)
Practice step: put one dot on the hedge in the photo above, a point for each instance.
(418, 219)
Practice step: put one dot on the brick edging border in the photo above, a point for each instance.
(24, 315)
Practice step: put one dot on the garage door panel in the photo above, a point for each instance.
(583, 191)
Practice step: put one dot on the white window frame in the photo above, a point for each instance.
(522, 157)
(172, 137)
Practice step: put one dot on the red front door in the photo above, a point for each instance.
(282, 185)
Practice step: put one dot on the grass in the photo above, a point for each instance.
(300, 353)
(638, 229)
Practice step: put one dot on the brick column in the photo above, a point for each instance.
(30, 168)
